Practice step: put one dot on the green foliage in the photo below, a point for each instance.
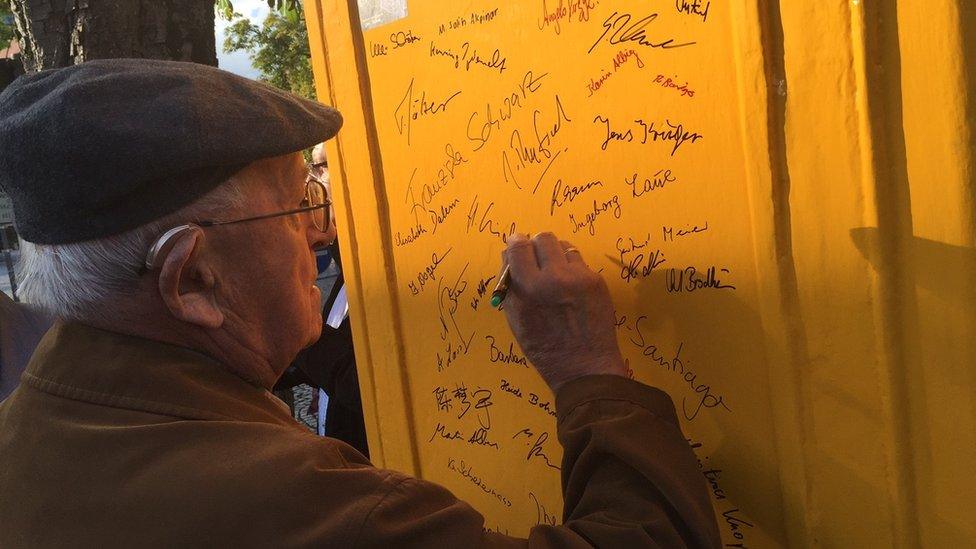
(225, 8)
(278, 49)
(286, 5)
(8, 31)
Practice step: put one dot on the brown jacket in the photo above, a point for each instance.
(116, 441)
(21, 327)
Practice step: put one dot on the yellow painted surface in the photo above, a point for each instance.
(829, 395)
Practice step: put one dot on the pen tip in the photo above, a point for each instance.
(496, 300)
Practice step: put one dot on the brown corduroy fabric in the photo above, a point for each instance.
(116, 441)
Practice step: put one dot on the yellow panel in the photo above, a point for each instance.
(816, 155)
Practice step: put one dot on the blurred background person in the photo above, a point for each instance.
(329, 366)
(21, 328)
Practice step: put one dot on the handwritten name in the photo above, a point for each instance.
(657, 181)
(422, 207)
(563, 194)
(595, 85)
(451, 332)
(443, 432)
(442, 398)
(577, 11)
(735, 523)
(468, 473)
(482, 290)
(542, 516)
(428, 274)
(494, 116)
(402, 239)
(493, 60)
(707, 398)
(673, 134)
(538, 150)
(612, 134)
(439, 216)
(588, 221)
(487, 223)
(545, 405)
(537, 450)
(623, 56)
(619, 60)
(670, 234)
(693, 7)
(691, 279)
(482, 404)
(625, 246)
(480, 438)
(623, 31)
(507, 387)
(640, 266)
(403, 38)
(466, 57)
(451, 353)
(683, 89)
(496, 354)
(713, 476)
(410, 109)
(476, 18)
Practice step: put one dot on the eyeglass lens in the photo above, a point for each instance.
(316, 197)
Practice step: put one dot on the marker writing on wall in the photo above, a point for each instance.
(501, 289)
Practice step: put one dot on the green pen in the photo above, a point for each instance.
(501, 289)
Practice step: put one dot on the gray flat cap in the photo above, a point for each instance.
(103, 147)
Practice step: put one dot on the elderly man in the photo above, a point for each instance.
(172, 227)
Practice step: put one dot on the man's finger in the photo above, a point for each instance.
(521, 258)
(547, 250)
(572, 254)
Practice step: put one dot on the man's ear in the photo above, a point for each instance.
(187, 283)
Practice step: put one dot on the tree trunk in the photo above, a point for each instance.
(60, 33)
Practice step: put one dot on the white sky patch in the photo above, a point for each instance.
(239, 62)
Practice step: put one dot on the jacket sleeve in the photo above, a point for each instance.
(629, 479)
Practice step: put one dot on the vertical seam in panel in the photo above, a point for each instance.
(967, 32)
(762, 96)
(376, 454)
(884, 159)
(385, 232)
(796, 341)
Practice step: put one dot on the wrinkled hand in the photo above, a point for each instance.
(560, 311)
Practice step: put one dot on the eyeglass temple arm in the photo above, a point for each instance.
(326, 204)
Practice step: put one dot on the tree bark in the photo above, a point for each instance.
(60, 33)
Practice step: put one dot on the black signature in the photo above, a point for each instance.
(486, 223)
(429, 273)
(624, 32)
(410, 109)
(537, 448)
(447, 305)
(495, 115)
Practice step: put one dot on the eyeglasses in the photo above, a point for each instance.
(316, 203)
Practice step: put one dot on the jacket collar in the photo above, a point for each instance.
(80, 362)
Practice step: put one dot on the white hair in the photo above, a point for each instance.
(85, 280)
